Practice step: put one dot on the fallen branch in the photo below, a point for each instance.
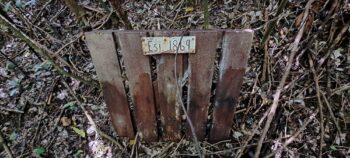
(279, 89)
(42, 51)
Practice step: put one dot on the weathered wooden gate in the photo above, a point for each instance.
(123, 68)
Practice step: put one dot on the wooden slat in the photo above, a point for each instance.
(201, 68)
(168, 106)
(236, 46)
(103, 53)
(137, 67)
(170, 110)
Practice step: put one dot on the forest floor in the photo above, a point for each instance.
(40, 117)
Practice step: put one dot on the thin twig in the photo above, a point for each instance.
(340, 89)
(164, 151)
(69, 43)
(331, 113)
(272, 23)
(42, 50)
(279, 89)
(316, 80)
(99, 26)
(179, 99)
(177, 146)
(92, 122)
(4, 145)
(123, 15)
(266, 51)
(56, 123)
(134, 145)
(254, 131)
(294, 136)
(11, 110)
(16, 65)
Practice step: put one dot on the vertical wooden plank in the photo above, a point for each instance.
(103, 53)
(167, 101)
(236, 47)
(138, 72)
(201, 68)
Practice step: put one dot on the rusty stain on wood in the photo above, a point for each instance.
(236, 46)
(138, 72)
(120, 114)
(201, 68)
(150, 97)
(103, 53)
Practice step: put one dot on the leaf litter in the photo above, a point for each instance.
(43, 100)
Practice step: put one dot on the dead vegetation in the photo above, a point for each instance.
(294, 101)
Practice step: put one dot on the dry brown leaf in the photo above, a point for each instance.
(66, 121)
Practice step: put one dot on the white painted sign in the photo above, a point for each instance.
(160, 45)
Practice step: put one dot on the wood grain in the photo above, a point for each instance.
(169, 108)
(201, 68)
(138, 72)
(236, 47)
(103, 53)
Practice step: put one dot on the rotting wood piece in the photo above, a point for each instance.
(236, 46)
(137, 67)
(103, 53)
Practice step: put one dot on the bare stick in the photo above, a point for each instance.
(331, 112)
(134, 145)
(294, 136)
(316, 79)
(283, 80)
(266, 51)
(4, 145)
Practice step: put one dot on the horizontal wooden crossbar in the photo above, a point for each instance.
(215, 70)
